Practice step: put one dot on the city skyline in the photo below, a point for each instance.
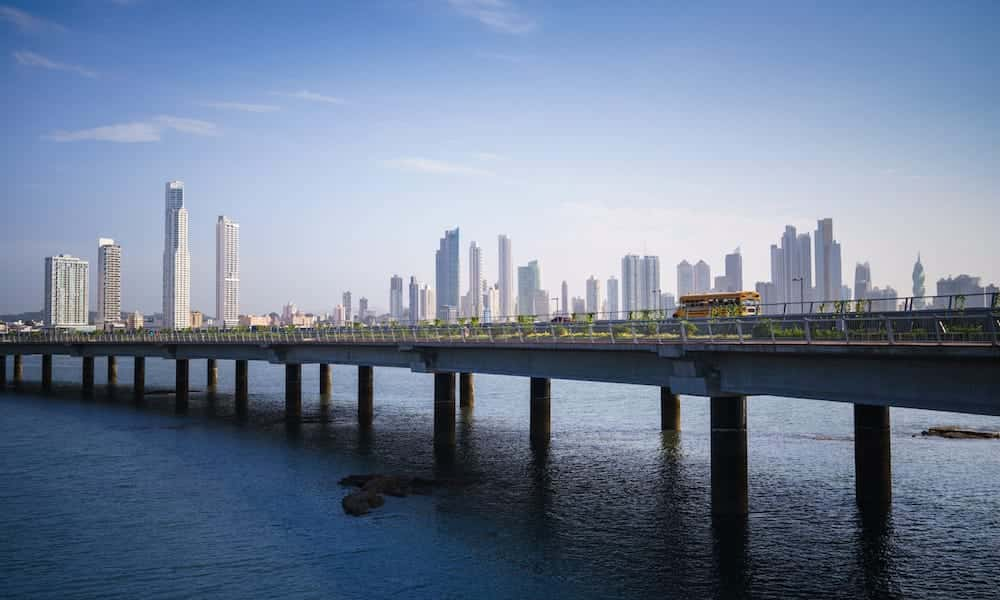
(835, 133)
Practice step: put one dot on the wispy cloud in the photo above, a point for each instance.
(136, 132)
(30, 59)
(254, 108)
(489, 156)
(499, 15)
(311, 96)
(27, 22)
(435, 167)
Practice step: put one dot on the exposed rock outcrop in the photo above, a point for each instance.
(961, 433)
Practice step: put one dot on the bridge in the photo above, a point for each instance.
(936, 360)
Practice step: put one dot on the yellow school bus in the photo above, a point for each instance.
(722, 304)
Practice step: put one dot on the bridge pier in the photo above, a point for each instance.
(88, 375)
(729, 455)
(181, 384)
(211, 374)
(670, 410)
(293, 392)
(872, 457)
(467, 390)
(242, 387)
(541, 410)
(366, 393)
(3, 372)
(18, 371)
(47, 372)
(325, 380)
(112, 370)
(444, 410)
(138, 378)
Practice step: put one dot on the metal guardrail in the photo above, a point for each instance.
(894, 329)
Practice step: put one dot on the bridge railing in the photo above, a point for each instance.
(974, 327)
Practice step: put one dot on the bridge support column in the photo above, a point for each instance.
(467, 390)
(242, 387)
(138, 377)
(366, 393)
(444, 410)
(88, 375)
(18, 370)
(112, 370)
(325, 380)
(872, 457)
(3, 372)
(541, 410)
(670, 410)
(181, 381)
(211, 374)
(729, 456)
(47, 372)
(293, 392)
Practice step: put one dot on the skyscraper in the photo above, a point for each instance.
(227, 273)
(396, 298)
(428, 304)
(702, 277)
(346, 301)
(734, 271)
(529, 281)
(363, 309)
(109, 282)
(649, 283)
(631, 274)
(477, 283)
(67, 286)
(447, 274)
(505, 278)
(685, 279)
(918, 283)
(564, 298)
(828, 273)
(862, 281)
(593, 295)
(415, 316)
(612, 297)
(176, 260)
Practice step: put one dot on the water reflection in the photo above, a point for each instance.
(875, 549)
(730, 553)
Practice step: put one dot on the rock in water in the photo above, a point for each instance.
(959, 433)
(360, 502)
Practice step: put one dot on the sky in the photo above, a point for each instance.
(345, 137)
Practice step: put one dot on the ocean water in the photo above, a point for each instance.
(103, 499)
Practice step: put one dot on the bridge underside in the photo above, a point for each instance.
(961, 379)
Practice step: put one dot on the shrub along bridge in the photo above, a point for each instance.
(946, 361)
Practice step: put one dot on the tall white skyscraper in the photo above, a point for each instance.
(505, 278)
(415, 315)
(649, 283)
(109, 282)
(447, 274)
(734, 272)
(176, 260)
(613, 298)
(529, 282)
(630, 284)
(685, 279)
(564, 306)
(396, 298)
(702, 277)
(348, 307)
(227, 273)
(477, 283)
(67, 287)
(828, 273)
(593, 295)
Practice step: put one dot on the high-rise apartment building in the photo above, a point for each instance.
(414, 290)
(396, 298)
(702, 277)
(477, 283)
(828, 272)
(491, 304)
(428, 304)
(594, 300)
(685, 279)
(109, 282)
(227, 273)
(564, 298)
(348, 307)
(649, 283)
(918, 283)
(505, 278)
(447, 274)
(613, 307)
(363, 309)
(176, 260)
(529, 281)
(862, 281)
(67, 287)
(631, 274)
(734, 272)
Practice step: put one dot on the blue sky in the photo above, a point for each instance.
(346, 137)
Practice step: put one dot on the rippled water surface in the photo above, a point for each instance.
(101, 499)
